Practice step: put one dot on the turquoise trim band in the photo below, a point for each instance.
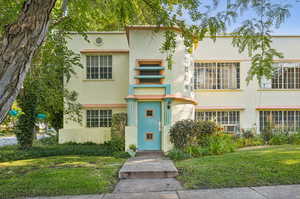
(150, 68)
(149, 77)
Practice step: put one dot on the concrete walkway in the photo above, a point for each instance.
(147, 173)
(266, 192)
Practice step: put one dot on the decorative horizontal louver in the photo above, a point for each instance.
(149, 74)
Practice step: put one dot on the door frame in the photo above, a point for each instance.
(160, 124)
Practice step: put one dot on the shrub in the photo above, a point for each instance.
(177, 154)
(121, 154)
(266, 134)
(116, 144)
(294, 138)
(220, 144)
(204, 129)
(10, 153)
(181, 133)
(248, 133)
(244, 142)
(280, 138)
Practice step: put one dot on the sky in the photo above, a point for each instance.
(290, 27)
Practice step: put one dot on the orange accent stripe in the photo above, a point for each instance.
(103, 51)
(278, 107)
(219, 108)
(104, 105)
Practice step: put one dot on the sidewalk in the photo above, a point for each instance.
(266, 192)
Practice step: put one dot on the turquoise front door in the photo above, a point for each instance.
(149, 135)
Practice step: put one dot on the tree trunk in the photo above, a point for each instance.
(20, 42)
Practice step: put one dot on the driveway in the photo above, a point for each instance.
(4, 141)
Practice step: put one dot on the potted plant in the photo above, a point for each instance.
(132, 150)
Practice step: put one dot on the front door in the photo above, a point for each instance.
(149, 135)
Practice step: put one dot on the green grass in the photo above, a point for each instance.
(268, 166)
(58, 175)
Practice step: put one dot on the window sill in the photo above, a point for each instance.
(218, 90)
(97, 127)
(274, 89)
(98, 80)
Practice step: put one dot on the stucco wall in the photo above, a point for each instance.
(249, 96)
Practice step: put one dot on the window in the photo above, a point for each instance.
(99, 67)
(98, 118)
(217, 75)
(279, 120)
(149, 113)
(285, 76)
(229, 120)
(149, 136)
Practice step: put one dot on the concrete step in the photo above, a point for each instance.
(147, 185)
(148, 167)
(149, 153)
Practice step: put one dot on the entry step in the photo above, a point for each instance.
(148, 167)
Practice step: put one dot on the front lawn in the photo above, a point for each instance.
(268, 166)
(58, 175)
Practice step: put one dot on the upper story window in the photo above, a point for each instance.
(285, 76)
(99, 67)
(98, 118)
(217, 75)
(229, 120)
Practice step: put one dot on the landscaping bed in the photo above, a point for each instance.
(267, 166)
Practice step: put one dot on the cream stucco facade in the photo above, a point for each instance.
(130, 84)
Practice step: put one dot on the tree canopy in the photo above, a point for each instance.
(26, 24)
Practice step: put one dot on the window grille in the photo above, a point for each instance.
(217, 75)
(98, 118)
(99, 67)
(229, 120)
(279, 120)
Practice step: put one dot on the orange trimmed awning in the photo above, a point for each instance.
(161, 97)
(278, 108)
(219, 108)
(104, 105)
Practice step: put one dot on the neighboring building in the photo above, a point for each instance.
(126, 72)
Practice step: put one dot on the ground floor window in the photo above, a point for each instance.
(98, 118)
(229, 120)
(280, 120)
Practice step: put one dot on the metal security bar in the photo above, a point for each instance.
(217, 75)
(98, 118)
(286, 76)
(229, 120)
(99, 67)
(279, 120)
